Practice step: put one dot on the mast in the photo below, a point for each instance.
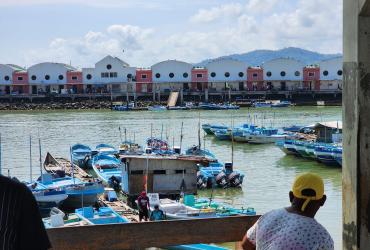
(30, 159)
(125, 134)
(181, 136)
(120, 133)
(72, 165)
(232, 141)
(162, 132)
(42, 178)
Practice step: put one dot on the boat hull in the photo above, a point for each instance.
(76, 201)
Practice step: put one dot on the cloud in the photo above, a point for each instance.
(257, 24)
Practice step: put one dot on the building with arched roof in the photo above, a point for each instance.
(225, 73)
(48, 77)
(283, 74)
(109, 74)
(13, 79)
(331, 73)
(171, 75)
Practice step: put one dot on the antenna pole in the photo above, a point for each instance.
(181, 136)
(42, 178)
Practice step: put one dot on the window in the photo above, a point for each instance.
(143, 76)
(340, 72)
(297, 73)
(74, 77)
(137, 172)
(241, 74)
(213, 74)
(157, 75)
(47, 77)
(330, 84)
(171, 75)
(268, 74)
(109, 66)
(311, 74)
(60, 77)
(33, 78)
(199, 75)
(20, 78)
(185, 75)
(129, 76)
(325, 73)
(88, 76)
(282, 73)
(6, 78)
(159, 171)
(180, 171)
(113, 74)
(255, 75)
(227, 74)
(104, 74)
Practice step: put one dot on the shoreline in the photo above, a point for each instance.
(105, 105)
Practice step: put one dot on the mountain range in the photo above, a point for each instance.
(257, 57)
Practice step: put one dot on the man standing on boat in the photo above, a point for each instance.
(21, 226)
(143, 204)
(293, 227)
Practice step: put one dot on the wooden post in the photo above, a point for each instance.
(356, 127)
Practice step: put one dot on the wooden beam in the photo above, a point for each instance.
(151, 234)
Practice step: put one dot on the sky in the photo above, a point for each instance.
(81, 32)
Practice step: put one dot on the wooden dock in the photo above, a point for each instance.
(54, 164)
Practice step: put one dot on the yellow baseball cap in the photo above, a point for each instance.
(308, 181)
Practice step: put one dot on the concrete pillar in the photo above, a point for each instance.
(206, 95)
(356, 116)
(181, 96)
(154, 91)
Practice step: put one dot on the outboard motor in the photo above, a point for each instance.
(221, 179)
(201, 180)
(235, 179)
(85, 162)
(228, 168)
(114, 183)
(59, 174)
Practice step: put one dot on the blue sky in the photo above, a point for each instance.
(149, 31)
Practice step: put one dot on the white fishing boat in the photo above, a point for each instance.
(175, 210)
(265, 139)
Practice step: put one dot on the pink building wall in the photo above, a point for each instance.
(255, 75)
(140, 81)
(195, 80)
(24, 75)
(71, 74)
(315, 78)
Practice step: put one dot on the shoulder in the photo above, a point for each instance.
(14, 185)
(274, 213)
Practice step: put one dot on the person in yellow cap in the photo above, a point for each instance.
(293, 227)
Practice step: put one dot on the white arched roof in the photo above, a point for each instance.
(171, 71)
(283, 69)
(226, 69)
(331, 69)
(49, 73)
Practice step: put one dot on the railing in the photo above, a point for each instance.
(152, 234)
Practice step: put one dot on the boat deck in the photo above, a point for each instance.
(52, 164)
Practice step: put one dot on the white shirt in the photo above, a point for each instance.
(280, 229)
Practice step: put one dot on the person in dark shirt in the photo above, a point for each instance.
(156, 214)
(143, 204)
(21, 226)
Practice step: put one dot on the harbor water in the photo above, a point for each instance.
(269, 172)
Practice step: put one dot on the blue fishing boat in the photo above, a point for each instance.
(108, 169)
(59, 219)
(81, 155)
(207, 129)
(281, 104)
(102, 216)
(324, 154)
(157, 108)
(301, 148)
(223, 134)
(106, 149)
(337, 154)
(262, 104)
(78, 192)
(288, 147)
(123, 107)
(195, 150)
(47, 198)
(310, 150)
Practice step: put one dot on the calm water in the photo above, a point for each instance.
(269, 173)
